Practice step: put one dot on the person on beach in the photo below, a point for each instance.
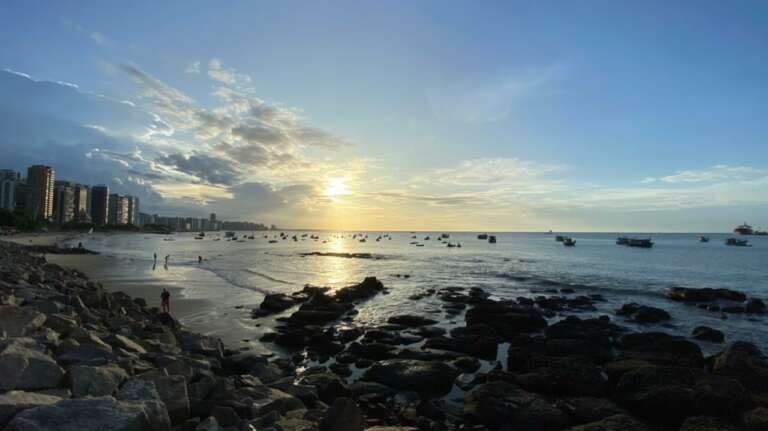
(155, 257)
(167, 256)
(199, 259)
(165, 301)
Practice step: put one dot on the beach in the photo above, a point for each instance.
(430, 356)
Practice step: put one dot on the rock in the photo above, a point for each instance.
(756, 306)
(87, 354)
(144, 392)
(707, 294)
(660, 349)
(479, 346)
(563, 377)
(61, 323)
(328, 386)
(343, 415)
(294, 424)
(756, 419)
(173, 392)
(668, 395)
(643, 313)
(19, 321)
(209, 424)
(125, 343)
(276, 302)
(92, 381)
(705, 423)
(364, 290)
(583, 410)
(612, 423)
(204, 345)
(500, 405)
(507, 320)
(23, 366)
(13, 402)
(411, 321)
(705, 333)
(380, 428)
(428, 377)
(266, 399)
(104, 414)
(225, 416)
(745, 363)
(467, 364)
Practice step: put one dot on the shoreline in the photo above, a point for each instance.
(508, 365)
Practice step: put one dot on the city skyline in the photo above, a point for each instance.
(577, 116)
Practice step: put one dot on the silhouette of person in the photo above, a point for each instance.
(165, 301)
(199, 259)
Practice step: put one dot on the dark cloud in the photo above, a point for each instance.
(214, 170)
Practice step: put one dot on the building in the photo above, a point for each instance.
(82, 203)
(118, 210)
(40, 181)
(64, 202)
(212, 222)
(9, 180)
(99, 204)
(133, 210)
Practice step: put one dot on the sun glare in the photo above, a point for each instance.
(337, 187)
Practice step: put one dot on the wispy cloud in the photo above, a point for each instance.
(717, 173)
(193, 68)
(226, 75)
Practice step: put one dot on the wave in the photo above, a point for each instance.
(268, 277)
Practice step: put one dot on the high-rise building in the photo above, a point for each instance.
(133, 210)
(64, 202)
(82, 203)
(99, 204)
(118, 209)
(9, 180)
(40, 191)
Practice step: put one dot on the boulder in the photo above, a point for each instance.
(706, 423)
(209, 424)
(86, 380)
(706, 294)
(204, 345)
(506, 319)
(343, 415)
(173, 392)
(411, 321)
(266, 399)
(668, 395)
(384, 428)
(584, 410)
(563, 377)
(619, 422)
(104, 414)
(430, 377)
(745, 363)
(660, 349)
(276, 302)
(61, 323)
(484, 347)
(503, 405)
(87, 354)
(13, 402)
(364, 290)
(125, 343)
(643, 313)
(23, 366)
(756, 419)
(756, 306)
(144, 392)
(705, 333)
(19, 321)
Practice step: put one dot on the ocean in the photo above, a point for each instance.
(234, 276)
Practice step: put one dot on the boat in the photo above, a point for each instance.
(492, 239)
(569, 242)
(737, 242)
(169, 239)
(703, 238)
(272, 241)
(229, 234)
(559, 238)
(622, 240)
(744, 229)
(640, 242)
(445, 236)
(483, 236)
(201, 234)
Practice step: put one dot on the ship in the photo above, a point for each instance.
(703, 238)
(634, 242)
(569, 242)
(744, 229)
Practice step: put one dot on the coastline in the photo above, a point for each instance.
(505, 365)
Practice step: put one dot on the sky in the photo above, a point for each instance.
(400, 115)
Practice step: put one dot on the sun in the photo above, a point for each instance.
(337, 187)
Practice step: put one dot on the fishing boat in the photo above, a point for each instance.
(492, 239)
(483, 236)
(569, 242)
(737, 242)
(744, 229)
(229, 234)
(703, 238)
(559, 238)
(445, 235)
(622, 240)
(272, 241)
(640, 242)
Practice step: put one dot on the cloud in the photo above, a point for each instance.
(193, 68)
(715, 173)
(218, 72)
(211, 169)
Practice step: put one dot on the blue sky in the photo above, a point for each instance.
(583, 115)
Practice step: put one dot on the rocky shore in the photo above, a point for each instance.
(75, 357)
